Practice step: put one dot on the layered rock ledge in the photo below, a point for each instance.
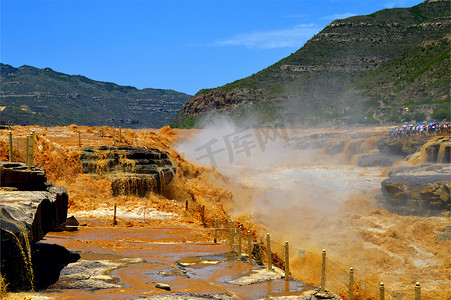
(132, 170)
(423, 188)
(418, 190)
(30, 207)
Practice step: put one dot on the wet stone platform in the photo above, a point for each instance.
(162, 263)
(132, 170)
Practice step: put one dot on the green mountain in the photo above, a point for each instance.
(44, 97)
(363, 69)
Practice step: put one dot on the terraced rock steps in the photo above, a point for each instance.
(133, 170)
(421, 189)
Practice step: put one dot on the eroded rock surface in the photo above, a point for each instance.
(418, 190)
(134, 171)
(30, 207)
(400, 146)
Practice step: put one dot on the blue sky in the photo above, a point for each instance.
(182, 45)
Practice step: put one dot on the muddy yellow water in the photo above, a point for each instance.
(313, 200)
(158, 250)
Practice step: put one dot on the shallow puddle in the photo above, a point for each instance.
(127, 263)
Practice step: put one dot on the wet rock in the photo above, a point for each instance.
(71, 221)
(190, 296)
(17, 175)
(37, 212)
(8, 189)
(133, 171)
(323, 295)
(15, 252)
(48, 260)
(257, 276)
(309, 295)
(440, 151)
(89, 275)
(400, 146)
(29, 208)
(418, 190)
(174, 272)
(378, 160)
(163, 286)
(206, 260)
(444, 234)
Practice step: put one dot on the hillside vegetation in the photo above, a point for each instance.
(363, 69)
(29, 95)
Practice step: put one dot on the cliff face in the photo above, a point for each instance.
(45, 97)
(361, 69)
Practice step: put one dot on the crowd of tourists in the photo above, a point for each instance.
(420, 130)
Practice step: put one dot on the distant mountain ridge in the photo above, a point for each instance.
(363, 69)
(30, 95)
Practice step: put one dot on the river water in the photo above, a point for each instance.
(282, 183)
(316, 201)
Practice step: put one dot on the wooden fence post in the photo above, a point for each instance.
(202, 214)
(351, 283)
(323, 271)
(216, 229)
(27, 154)
(114, 215)
(249, 246)
(417, 291)
(10, 134)
(32, 138)
(268, 245)
(287, 262)
(239, 242)
(232, 232)
(381, 291)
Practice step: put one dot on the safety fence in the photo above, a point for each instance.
(313, 268)
(19, 147)
(309, 267)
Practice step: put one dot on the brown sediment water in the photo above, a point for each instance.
(313, 200)
(156, 251)
(23, 243)
(318, 201)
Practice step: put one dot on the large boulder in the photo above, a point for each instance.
(26, 216)
(132, 170)
(419, 190)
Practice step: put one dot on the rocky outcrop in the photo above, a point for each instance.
(30, 207)
(400, 146)
(218, 101)
(418, 190)
(439, 151)
(132, 170)
(48, 260)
